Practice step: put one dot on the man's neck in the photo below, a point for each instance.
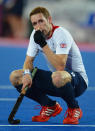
(50, 32)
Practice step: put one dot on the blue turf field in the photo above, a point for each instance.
(13, 58)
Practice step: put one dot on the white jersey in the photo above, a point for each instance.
(61, 42)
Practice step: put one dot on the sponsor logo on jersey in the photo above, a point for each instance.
(63, 45)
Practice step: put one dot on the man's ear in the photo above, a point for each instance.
(50, 19)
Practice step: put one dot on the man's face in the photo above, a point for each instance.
(39, 22)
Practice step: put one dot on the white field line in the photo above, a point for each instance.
(10, 87)
(48, 125)
(8, 99)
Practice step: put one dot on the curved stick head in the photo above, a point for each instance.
(14, 121)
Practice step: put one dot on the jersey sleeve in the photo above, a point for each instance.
(63, 40)
(32, 47)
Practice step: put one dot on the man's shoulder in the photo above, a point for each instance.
(60, 29)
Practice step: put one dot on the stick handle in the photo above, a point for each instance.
(19, 100)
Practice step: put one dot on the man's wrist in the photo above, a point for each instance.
(27, 71)
(43, 44)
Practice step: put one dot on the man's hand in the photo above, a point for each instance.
(39, 38)
(27, 81)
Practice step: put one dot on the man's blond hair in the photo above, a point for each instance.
(42, 10)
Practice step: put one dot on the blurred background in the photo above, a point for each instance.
(78, 16)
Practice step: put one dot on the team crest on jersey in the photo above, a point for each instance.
(63, 45)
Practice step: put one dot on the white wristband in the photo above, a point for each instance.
(27, 71)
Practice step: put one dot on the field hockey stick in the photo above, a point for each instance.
(18, 102)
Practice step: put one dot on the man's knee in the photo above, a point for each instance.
(16, 77)
(60, 78)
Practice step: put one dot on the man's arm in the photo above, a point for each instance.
(27, 68)
(58, 61)
(28, 64)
